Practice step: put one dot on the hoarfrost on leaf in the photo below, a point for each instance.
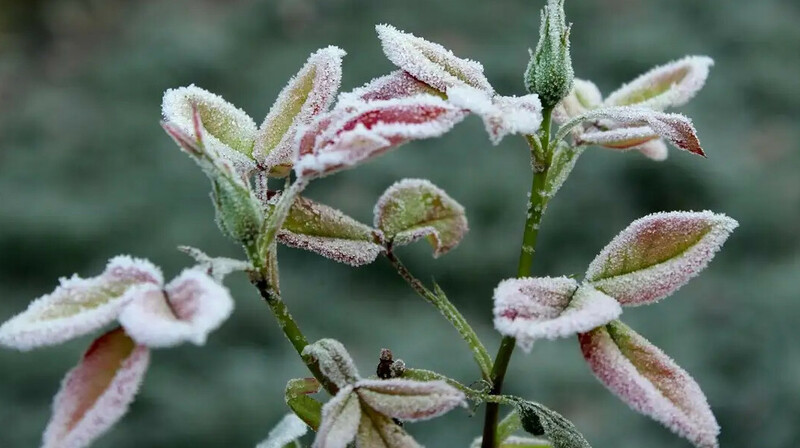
(96, 394)
(288, 430)
(410, 400)
(397, 84)
(379, 431)
(334, 361)
(341, 417)
(657, 254)
(501, 115)
(618, 138)
(79, 306)
(430, 62)
(542, 421)
(415, 208)
(650, 382)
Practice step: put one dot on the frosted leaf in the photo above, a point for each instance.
(330, 233)
(217, 267)
(650, 382)
(583, 97)
(341, 417)
(654, 150)
(378, 431)
(542, 421)
(410, 400)
(415, 208)
(96, 394)
(536, 308)
(430, 62)
(334, 361)
(227, 132)
(309, 93)
(397, 84)
(501, 115)
(188, 309)
(619, 138)
(672, 84)
(78, 306)
(657, 254)
(348, 137)
(289, 429)
(561, 165)
(297, 398)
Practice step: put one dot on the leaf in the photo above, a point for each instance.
(216, 267)
(657, 254)
(96, 394)
(672, 84)
(583, 97)
(415, 208)
(379, 431)
(501, 115)
(228, 132)
(308, 94)
(334, 361)
(561, 165)
(535, 308)
(409, 400)
(188, 309)
(289, 429)
(654, 150)
(78, 306)
(650, 382)
(306, 408)
(346, 137)
(618, 138)
(541, 421)
(341, 417)
(430, 62)
(397, 84)
(330, 233)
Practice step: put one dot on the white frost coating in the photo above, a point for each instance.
(536, 308)
(619, 138)
(654, 150)
(397, 84)
(334, 361)
(351, 252)
(379, 431)
(669, 85)
(501, 115)
(430, 62)
(650, 382)
(410, 400)
(86, 406)
(309, 93)
(657, 254)
(190, 307)
(584, 97)
(78, 306)
(229, 133)
(289, 429)
(341, 416)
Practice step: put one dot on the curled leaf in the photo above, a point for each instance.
(334, 361)
(650, 382)
(501, 115)
(563, 161)
(415, 208)
(672, 84)
(330, 233)
(657, 254)
(653, 149)
(542, 421)
(289, 429)
(583, 97)
(534, 308)
(397, 84)
(430, 62)
(410, 400)
(297, 398)
(188, 309)
(78, 306)
(309, 93)
(96, 394)
(341, 417)
(618, 138)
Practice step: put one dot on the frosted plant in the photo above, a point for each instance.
(258, 177)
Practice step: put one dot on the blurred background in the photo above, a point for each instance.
(86, 173)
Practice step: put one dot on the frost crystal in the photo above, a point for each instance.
(79, 306)
(534, 308)
(430, 62)
(415, 208)
(309, 93)
(289, 429)
(501, 115)
(96, 393)
(657, 254)
(650, 382)
(672, 84)
(351, 135)
(397, 84)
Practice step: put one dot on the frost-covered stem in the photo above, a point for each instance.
(537, 203)
(450, 312)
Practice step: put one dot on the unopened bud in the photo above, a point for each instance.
(239, 213)
(549, 73)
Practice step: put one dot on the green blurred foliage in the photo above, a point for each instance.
(86, 173)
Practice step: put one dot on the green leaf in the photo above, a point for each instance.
(297, 398)
(541, 421)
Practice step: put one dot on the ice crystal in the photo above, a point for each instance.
(657, 254)
(650, 382)
(289, 429)
(501, 115)
(430, 62)
(96, 393)
(414, 208)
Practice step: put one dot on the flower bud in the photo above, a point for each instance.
(549, 73)
(239, 214)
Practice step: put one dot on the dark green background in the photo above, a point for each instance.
(86, 173)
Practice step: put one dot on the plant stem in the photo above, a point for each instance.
(450, 312)
(537, 203)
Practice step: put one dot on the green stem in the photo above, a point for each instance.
(450, 312)
(537, 203)
(472, 394)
